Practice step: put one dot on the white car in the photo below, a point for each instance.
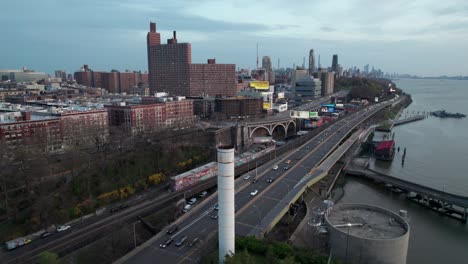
(63, 228)
(246, 177)
(203, 194)
(254, 193)
(192, 201)
(275, 167)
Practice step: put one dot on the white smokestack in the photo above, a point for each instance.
(226, 217)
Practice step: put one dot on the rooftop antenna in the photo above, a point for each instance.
(320, 66)
(303, 62)
(278, 63)
(257, 56)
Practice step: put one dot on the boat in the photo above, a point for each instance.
(444, 114)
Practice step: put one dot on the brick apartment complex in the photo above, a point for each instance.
(114, 81)
(151, 117)
(56, 132)
(239, 107)
(171, 70)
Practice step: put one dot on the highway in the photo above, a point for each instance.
(249, 210)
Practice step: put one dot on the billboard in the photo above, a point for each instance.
(266, 106)
(260, 85)
(300, 114)
(327, 108)
(313, 114)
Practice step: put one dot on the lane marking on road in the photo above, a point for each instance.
(244, 224)
(270, 198)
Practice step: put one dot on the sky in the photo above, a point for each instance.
(423, 37)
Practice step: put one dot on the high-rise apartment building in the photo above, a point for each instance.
(312, 67)
(61, 74)
(171, 70)
(328, 82)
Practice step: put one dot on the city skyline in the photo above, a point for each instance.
(416, 38)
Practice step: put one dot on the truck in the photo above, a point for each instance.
(12, 244)
(187, 208)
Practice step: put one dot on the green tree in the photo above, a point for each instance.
(242, 257)
(47, 257)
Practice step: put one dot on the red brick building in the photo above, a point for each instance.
(114, 81)
(239, 107)
(56, 132)
(135, 119)
(171, 70)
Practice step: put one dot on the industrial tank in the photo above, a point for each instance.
(362, 233)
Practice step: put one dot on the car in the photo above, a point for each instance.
(298, 158)
(122, 206)
(246, 177)
(270, 180)
(255, 180)
(254, 193)
(194, 241)
(216, 207)
(167, 243)
(203, 194)
(214, 216)
(172, 229)
(46, 234)
(114, 209)
(181, 241)
(307, 147)
(275, 167)
(63, 228)
(192, 201)
(286, 168)
(288, 162)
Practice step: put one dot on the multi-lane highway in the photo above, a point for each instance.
(250, 210)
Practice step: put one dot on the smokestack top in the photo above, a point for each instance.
(152, 27)
(174, 34)
(222, 147)
(86, 67)
(211, 61)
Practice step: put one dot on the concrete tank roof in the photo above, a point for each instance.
(367, 221)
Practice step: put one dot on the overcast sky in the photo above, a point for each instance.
(424, 37)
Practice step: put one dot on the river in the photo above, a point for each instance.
(437, 153)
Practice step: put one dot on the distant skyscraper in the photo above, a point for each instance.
(61, 74)
(266, 63)
(312, 67)
(335, 63)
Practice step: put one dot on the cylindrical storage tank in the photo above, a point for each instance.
(226, 211)
(362, 233)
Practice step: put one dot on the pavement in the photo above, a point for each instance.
(252, 213)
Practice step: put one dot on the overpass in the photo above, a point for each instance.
(278, 126)
(441, 201)
(253, 214)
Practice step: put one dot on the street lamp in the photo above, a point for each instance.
(286, 184)
(134, 233)
(348, 225)
(259, 215)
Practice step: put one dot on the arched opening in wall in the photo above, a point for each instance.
(291, 129)
(279, 132)
(260, 132)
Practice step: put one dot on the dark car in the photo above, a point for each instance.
(194, 241)
(255, 181)
(167, 243)
(122, 206)
(172, 229)
(46, 234)
(181, 241)
(114, 209)
(286, 168)
(270, 180)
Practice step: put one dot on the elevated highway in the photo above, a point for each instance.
(254, 214)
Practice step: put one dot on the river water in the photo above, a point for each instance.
(437, 155)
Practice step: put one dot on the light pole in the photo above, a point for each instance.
(286, 184)
(259, 215)
(256, 172)
(347, 239)
(134, 233)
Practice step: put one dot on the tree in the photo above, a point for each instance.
(242, 257)
(47, 257)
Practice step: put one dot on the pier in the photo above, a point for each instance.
(452, 205)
